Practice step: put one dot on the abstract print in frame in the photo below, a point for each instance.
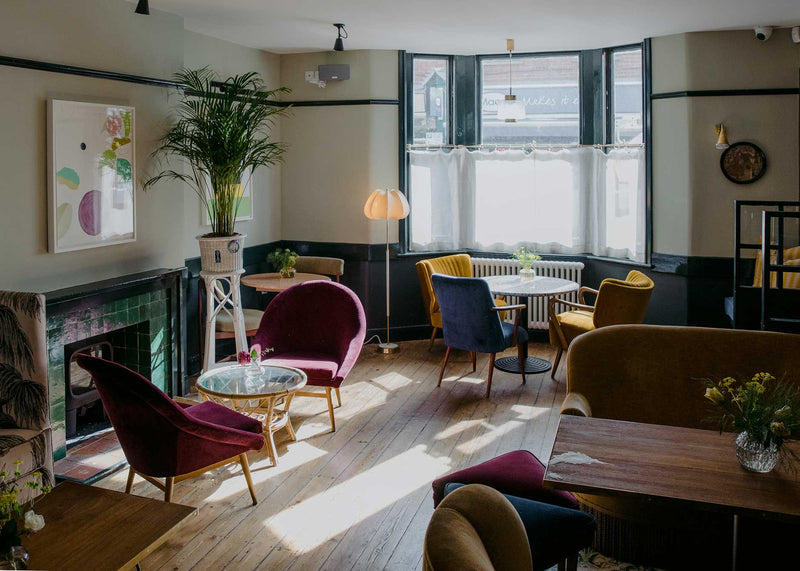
(91, 175)
(244, 201)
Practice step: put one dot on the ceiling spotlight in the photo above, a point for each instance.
(338, 45)
(143, 7)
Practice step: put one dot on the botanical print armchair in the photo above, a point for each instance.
(24, 403)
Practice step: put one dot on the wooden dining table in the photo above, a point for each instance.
(683, 466)
(273, 282)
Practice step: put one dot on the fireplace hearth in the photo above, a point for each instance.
(140, 317)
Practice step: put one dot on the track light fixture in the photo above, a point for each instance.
(143, 7)
(338, 45)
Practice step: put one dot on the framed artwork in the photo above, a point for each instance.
(244, 201)
(91, 175)
(743, 163)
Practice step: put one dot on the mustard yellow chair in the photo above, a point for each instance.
(791, 280)
(476, 528)
(618, 302)
(458, 265)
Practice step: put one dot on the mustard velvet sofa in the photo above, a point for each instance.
(654, 374)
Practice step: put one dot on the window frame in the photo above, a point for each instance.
(465, 82)
(409, 64)
(608, 91)
(479, 84)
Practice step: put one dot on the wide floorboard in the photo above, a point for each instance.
(360, 498)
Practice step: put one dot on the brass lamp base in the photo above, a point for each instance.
(387, 348)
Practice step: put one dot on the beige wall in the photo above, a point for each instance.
(106, 35)
(338, 154)
(692, 200)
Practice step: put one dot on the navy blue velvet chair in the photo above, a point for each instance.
(471, 322)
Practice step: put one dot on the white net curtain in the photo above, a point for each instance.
(564, 201)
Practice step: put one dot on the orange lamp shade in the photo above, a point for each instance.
(386, 204)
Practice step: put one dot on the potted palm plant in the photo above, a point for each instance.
(221, 134)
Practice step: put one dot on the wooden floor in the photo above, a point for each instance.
(360, 498)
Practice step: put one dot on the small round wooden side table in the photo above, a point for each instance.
(256, 395)
(273, 282)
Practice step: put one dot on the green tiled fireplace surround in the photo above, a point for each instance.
(141, 318)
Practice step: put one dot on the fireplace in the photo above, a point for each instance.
(140, 317)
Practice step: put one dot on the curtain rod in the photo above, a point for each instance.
(526, 146)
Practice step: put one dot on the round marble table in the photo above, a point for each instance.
(540, 286)
(256, 395)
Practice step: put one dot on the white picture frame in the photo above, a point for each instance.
(247, 195)
(91, 175)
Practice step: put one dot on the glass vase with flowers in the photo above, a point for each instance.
(764, 411)
(15, 520)
(526, 258)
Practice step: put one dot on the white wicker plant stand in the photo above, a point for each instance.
(222, 294)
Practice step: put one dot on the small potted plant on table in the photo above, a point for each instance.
(283, 261)
(526, 258)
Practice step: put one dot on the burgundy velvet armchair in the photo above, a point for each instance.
(165, 439)
(319, 328)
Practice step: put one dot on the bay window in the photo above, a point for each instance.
(535, 182)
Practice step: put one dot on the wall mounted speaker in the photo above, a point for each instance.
(334, 71)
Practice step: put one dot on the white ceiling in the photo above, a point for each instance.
(467, 26)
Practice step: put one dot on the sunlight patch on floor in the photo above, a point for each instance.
(457, 428)
(312, 522)
(233, 481)
(488, 437)
(525, 412)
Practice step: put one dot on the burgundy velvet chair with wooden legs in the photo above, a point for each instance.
(165, 439)
(319, 328)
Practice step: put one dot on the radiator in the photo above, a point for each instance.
(537, 306)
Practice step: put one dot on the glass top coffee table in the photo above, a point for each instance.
(256, 394)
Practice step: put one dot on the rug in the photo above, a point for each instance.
(592, 561)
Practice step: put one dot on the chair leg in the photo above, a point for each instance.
(129, 485)
(572, 562)
(433, 336)
(522, 357)
(330, 408)
(555, 365)
(562, 565)
(474, 360)
(338, 397)
(491, 372)
(444, 364)
(168, 483)
(246, 469)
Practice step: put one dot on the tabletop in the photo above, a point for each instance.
(612, 457)
(537, 287)
(234, 382)
(275, 283)
(87, 527)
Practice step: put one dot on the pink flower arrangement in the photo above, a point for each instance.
(254, 355)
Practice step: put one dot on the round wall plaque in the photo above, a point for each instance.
(743, 163)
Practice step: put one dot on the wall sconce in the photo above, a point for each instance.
(722, 137)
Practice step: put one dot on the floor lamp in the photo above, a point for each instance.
(382, 205)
